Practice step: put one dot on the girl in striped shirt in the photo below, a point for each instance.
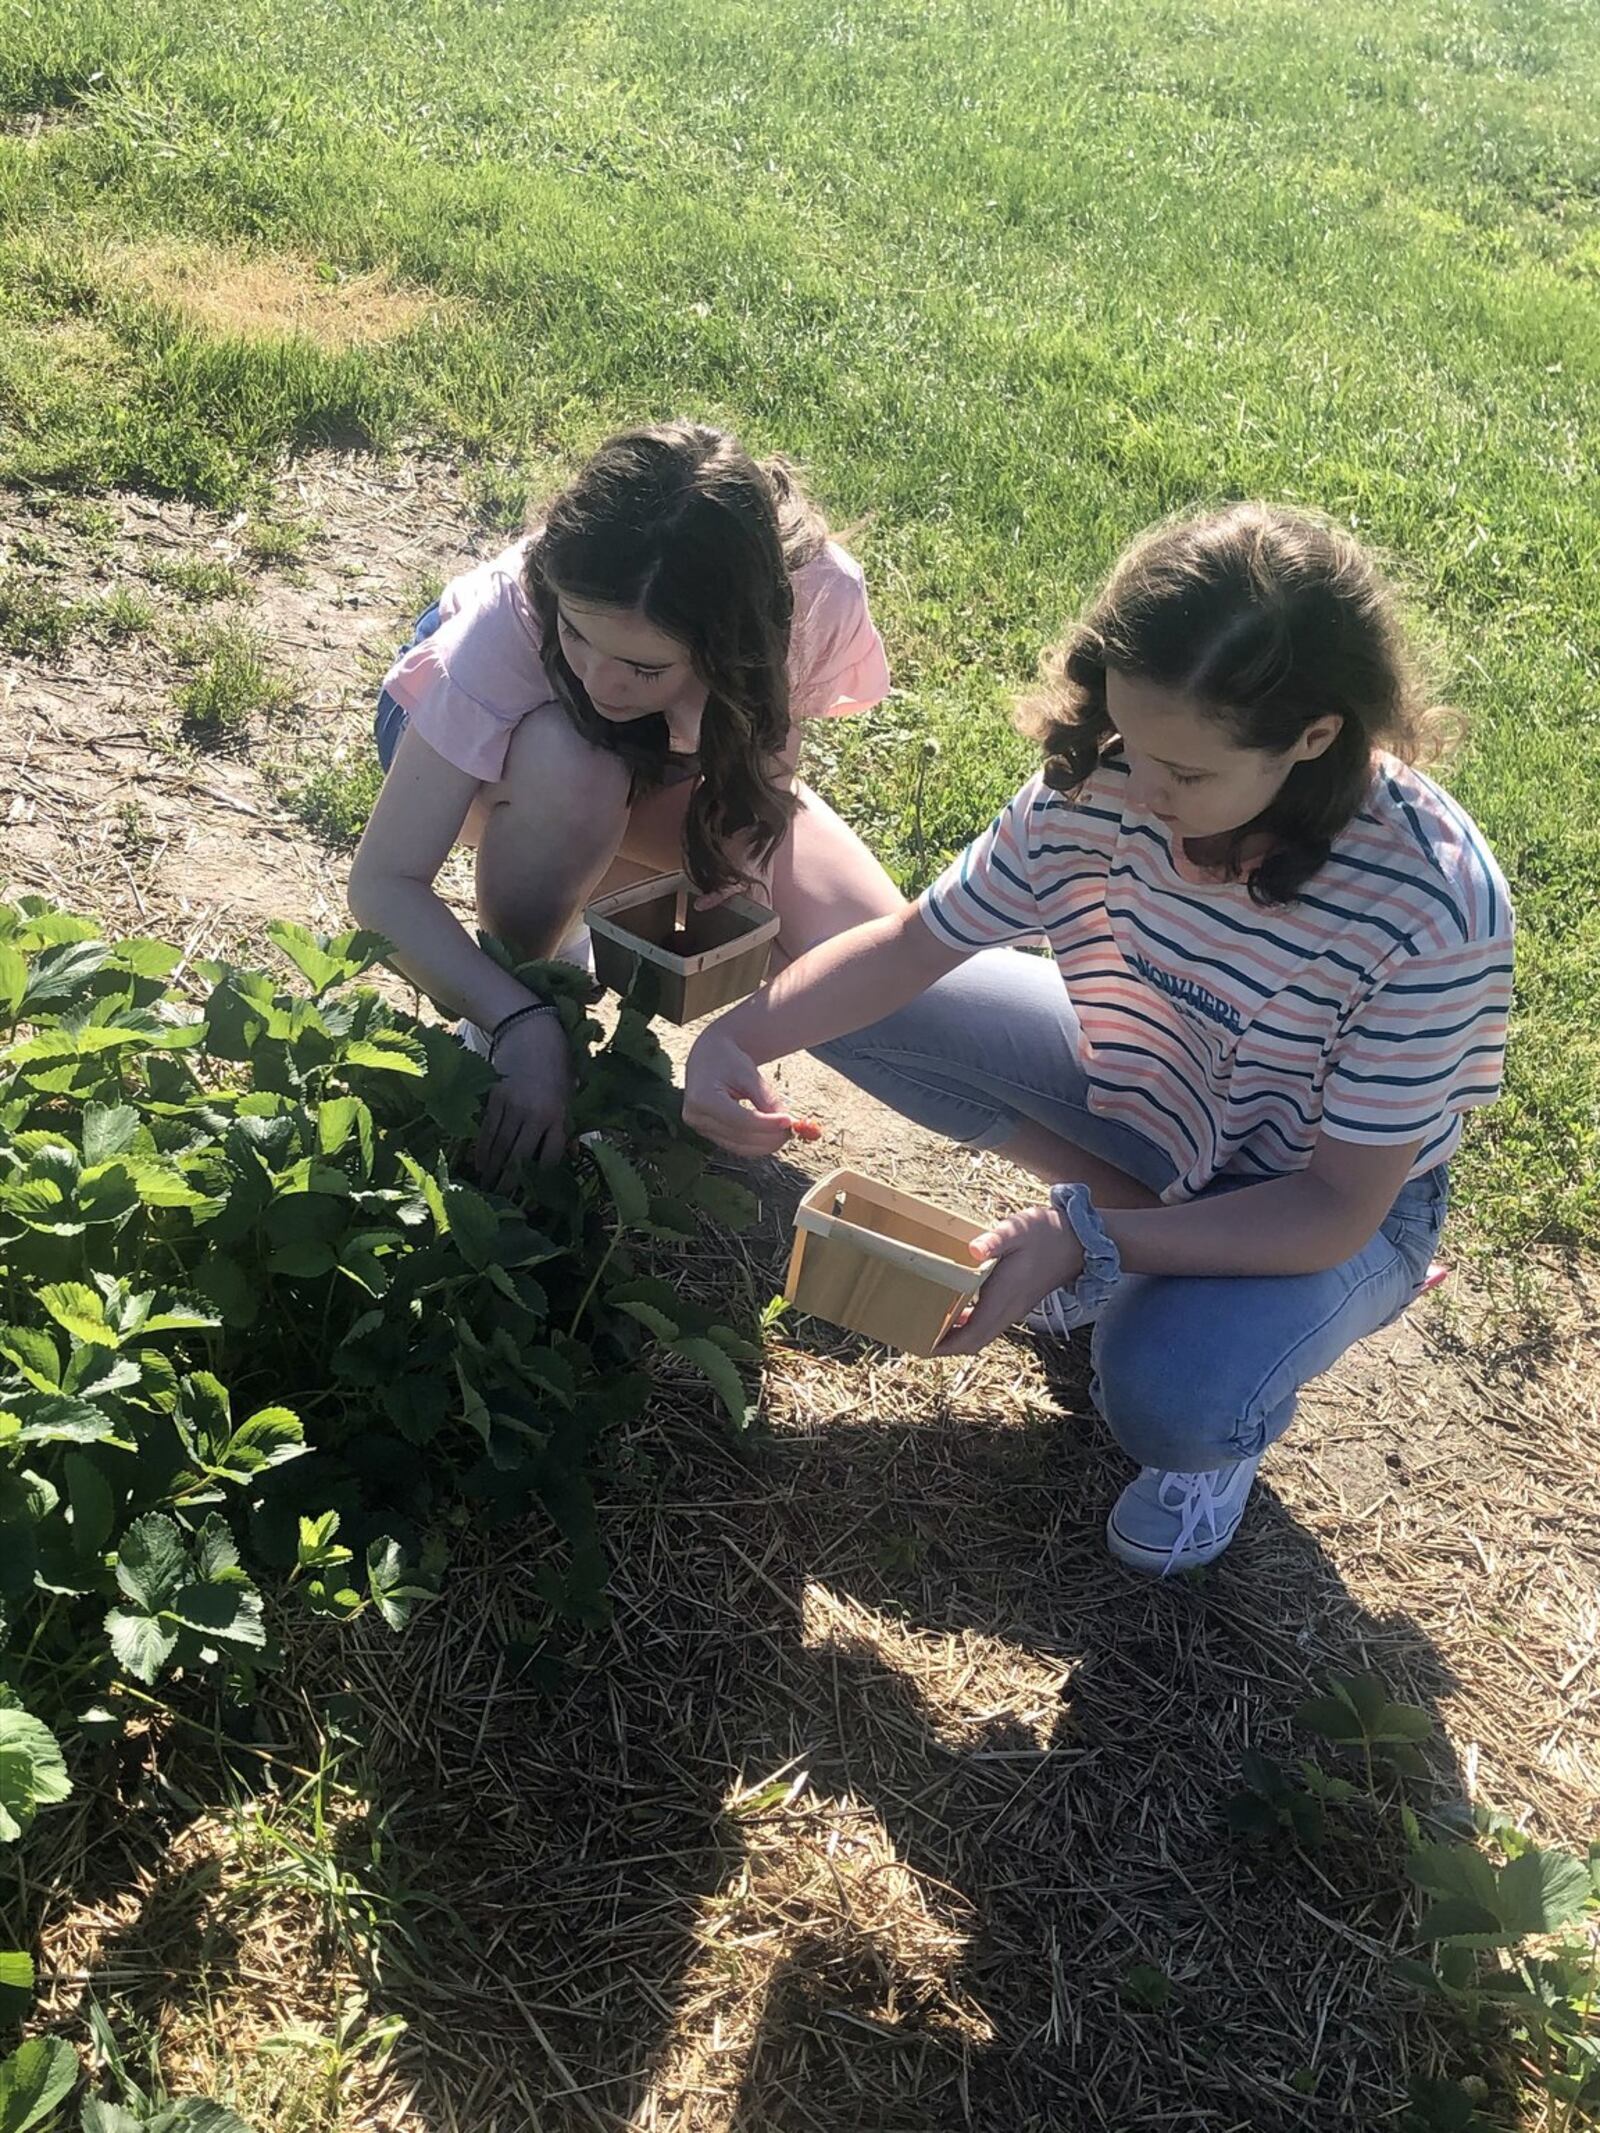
(1281, 972)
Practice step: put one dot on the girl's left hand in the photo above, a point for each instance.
(1033, 1253)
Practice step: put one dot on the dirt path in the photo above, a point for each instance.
(883, 1778)
(107, 803)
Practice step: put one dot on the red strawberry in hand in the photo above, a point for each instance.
(805, 1129)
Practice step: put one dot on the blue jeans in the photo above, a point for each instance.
(1189, 1372)
(392, 717)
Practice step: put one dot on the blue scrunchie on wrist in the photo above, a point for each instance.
(1102, 1266)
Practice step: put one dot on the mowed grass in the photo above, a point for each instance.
(1011, 277)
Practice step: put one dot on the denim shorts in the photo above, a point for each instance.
(392, 718)
(1190, 1372)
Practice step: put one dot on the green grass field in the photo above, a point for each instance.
(1011, 277)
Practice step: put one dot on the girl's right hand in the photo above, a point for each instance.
(728, 1098)
(525, 1116)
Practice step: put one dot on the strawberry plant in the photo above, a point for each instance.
(37, 2082)
(1512, 1941)
(1514, 1946)
(1355, 1711)
(260, 1330)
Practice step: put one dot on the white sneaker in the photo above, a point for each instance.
(577, 948)
(1165, 1521)
(1054, 1316)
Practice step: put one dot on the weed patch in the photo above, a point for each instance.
(232, 682)
(275, 541)
(500, 495)
(32, 549)
(35, 620)
(424, 594)
(200, 579)
(94, 524)
(122, 615)
(336, 798)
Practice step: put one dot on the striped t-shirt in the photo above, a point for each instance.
(1372, 1008)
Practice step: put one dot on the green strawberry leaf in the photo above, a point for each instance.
(34, 2082)
(141, 1644)
(33, 1773)
(152, 1561)
(710, 1361)
(628, 1189)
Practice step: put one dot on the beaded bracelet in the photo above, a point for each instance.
(518, 1014)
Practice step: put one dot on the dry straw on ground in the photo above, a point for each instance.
(234, 293)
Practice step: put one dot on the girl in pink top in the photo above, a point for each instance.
(619, 694)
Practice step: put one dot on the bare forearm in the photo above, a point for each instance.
(842, 985)
(1292, 1225)
(434, 950)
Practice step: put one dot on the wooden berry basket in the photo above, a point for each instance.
(884, 1264)
(702, 960)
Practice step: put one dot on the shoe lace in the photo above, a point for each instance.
(1057, 1314)
(1194, 1497)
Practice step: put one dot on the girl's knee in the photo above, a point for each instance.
(1163, 1381)
(550, 769)
(556, 789)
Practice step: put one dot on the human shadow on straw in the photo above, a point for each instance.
(1086, 1844)
(785, 1608)
(759, 1854)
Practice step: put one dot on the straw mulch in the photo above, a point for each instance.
(883, 1777)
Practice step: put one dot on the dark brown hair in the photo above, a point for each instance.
(1268, 619)
(681, 523)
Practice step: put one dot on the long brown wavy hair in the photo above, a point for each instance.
(680, 523)
(1268, 619)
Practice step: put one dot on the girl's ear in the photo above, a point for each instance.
(1318, 737)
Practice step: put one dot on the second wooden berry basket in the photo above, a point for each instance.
(881, 1262)
(702, 960)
